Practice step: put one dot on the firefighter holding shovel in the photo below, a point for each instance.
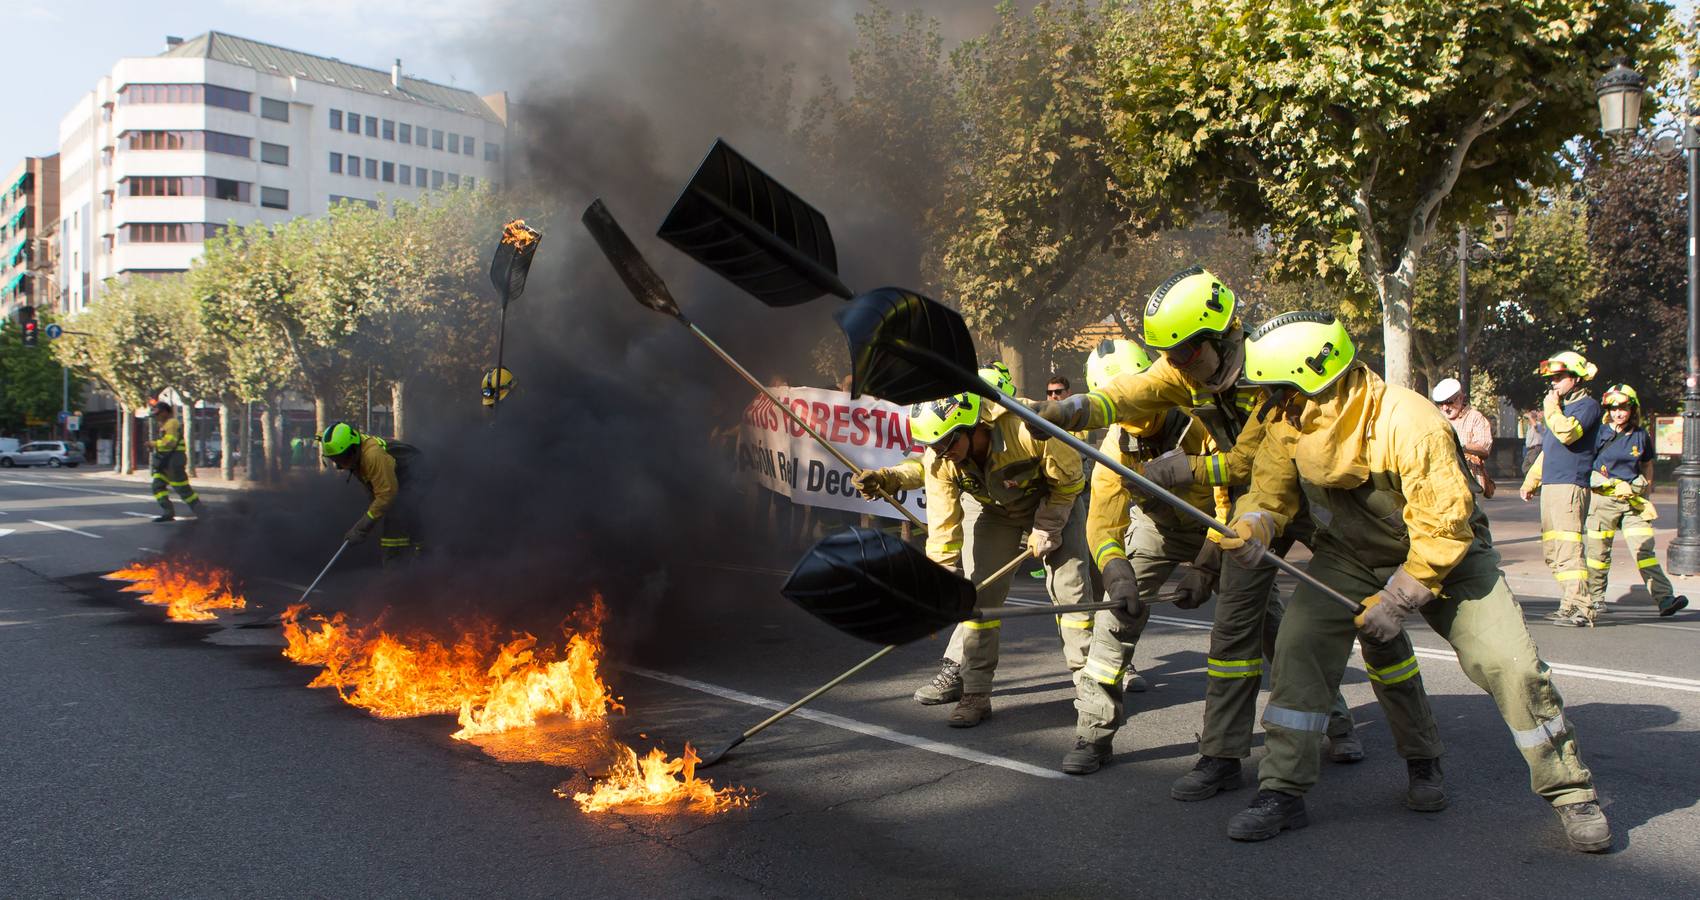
(390, 471)
(988, 482)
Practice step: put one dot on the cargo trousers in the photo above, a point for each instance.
(1563, 508)
(1607, 518)
(170, 471)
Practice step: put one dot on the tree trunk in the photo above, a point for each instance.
(227, 467)
(268, 439)
(121, 438)
(398, 395)
(321, 414)
(1395, 296)
(248, 472)
(189, 437)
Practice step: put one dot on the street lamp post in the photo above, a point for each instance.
(1469, 251)
(1619, 95)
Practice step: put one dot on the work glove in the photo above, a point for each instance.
(1252, 534)
(1644, 508)
(1120, 586)
(869, 482)
(361, 530)
(1384, 614)
(1171, 471)
(1198, 578)
(1040, 543)
(1071, 414)
(1622, 490)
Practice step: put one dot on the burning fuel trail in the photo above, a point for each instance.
(189, 591)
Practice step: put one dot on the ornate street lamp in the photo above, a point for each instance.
(1619, 93)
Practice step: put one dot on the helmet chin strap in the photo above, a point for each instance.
(1231, 349)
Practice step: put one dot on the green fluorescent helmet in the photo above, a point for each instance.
(997, 375)
(1192, 301)
(932, 422)
(1114, 358)
(1305, 350)
(1619, 394)
(338, 439)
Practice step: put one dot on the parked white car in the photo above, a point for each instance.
(44, 453)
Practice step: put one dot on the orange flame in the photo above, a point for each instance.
(189, 591)
(656, 781)
(518, 234)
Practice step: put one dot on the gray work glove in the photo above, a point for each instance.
(1071, 414)
(1384, 614)
(1198, 579)
(1253, 533)
(869, 482)
(1171, 471)
(361, 530)
(1122, 587)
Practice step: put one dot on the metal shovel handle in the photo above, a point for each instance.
(323, 572)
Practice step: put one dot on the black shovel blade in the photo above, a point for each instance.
(870, 585)
(646, 286)
(512, 262)
(908, 349)
(754, 232)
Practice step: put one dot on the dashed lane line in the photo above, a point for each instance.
(859, 727)
(66, 528)
(66, 487)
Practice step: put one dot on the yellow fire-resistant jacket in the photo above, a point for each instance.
(1022, 478)
(170, 436)
(1382, 475)
(1136, 399)
(376, 470)
(1108, 512)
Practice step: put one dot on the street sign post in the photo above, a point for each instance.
(54, 331)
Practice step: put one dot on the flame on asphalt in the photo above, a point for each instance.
(188, 590)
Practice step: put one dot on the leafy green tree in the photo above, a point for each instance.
(30, 380)
(1359, 131)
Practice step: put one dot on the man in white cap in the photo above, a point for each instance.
(1474, 430)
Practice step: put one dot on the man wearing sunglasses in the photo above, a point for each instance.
(1192, 318)
(1572, 418)
(988, 482)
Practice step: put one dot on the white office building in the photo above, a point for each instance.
(167, 149)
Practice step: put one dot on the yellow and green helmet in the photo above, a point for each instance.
(1114, 358)
(1305, 350)
(932, 422)
(997, 375)
(338, 439)
(1191, 302)
(1619, 394)
(1569, 362)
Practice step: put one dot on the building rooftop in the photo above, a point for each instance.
(272, 60)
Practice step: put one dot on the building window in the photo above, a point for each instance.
(389, 171)
(227, 189)
(354, 165)
(466, 145)
(106, 244)
(106, 156)
(454, 142)
(336, 163)
(105, 199)
(336, 120)
(274, 198)
(193, 186)
(276, 154)
(419, 134)
(389, 129)
(436, 139)
(371, 168)
(406, 174)
(371, 126)
(227, 98)
(209, 94)
(406, 133)
(436, 179)
(276, 110)
(167, 232)
(454, 180)
(492, 152)
(353, 123)
(210, 141)
(338, 198)
(471, 182)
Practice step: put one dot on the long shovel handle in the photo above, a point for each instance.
(323, 572)
(1187, 509)
(799, 420)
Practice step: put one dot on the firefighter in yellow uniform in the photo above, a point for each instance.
(1620, 482)
(1137, 542)
(169, 465)
(1397, 525)
(1191, 318)
(1572, 418)
(988, 482)
(391, 474)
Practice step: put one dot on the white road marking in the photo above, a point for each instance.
(878, 731)
(139, 515)
(149, 550)
(66, 487)
(6, 531)
(66, 528)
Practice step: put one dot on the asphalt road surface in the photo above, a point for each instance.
(144, 758)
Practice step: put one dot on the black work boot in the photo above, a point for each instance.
(1269, 813)
(1346, 748)
(167, 516)
(1670, 606)
(1086, 757)
(1426, 789)
(1586, 826)
(1210, 776)
(946, 686)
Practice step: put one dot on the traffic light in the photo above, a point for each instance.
(27, 324)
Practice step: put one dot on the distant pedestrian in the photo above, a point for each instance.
(1621, 481)
(1534, 433)
(1474, 430)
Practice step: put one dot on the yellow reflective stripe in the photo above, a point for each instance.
(1082, 624)
(1573, 575)
(1102, 673)
(1217, 475)
(161, 495)
(977, 625)
(1106, 410)
(369, 515)
(1599, 563)
(177, 483)
(1637, 532)
(1561, 535)
(1647, 563)
(1400, 671)
(192, 497)
(1608, 533)
(1108, 550)
(1235, 663)
(1233, 668)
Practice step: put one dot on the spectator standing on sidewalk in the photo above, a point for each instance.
(1474, 430)
(1534, 433)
